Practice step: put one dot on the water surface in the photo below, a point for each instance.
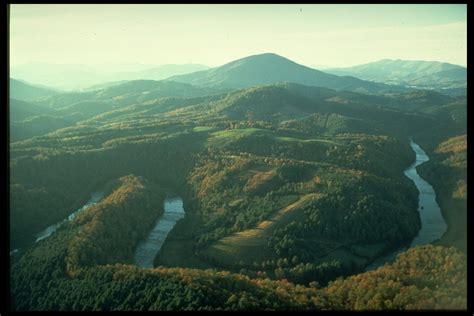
(147, 249)
(433, 225)
(48, 231)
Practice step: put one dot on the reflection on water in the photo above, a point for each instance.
(95, 197)
(433, 225)
(148, 249)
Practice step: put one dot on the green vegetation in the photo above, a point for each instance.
(286, 189)
(109, 231)
(270, 69)
(22, 90)
(447, 171)
(423, 278)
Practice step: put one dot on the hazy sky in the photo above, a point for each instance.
(333, 35)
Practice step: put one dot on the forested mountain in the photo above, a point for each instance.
(66, 109)
(433, 75)
(271, 68)
(22, 90)
(20, 110)
(290, 191)
(28, 120)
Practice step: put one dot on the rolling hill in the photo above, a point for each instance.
(76, 77)
(20, 110)
(271, 68)
(286, 188)
(22, 90)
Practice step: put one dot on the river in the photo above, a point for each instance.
(147, 249)
(95, 197)
(48, 231)
(433, 225)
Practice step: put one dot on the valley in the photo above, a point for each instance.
(289, 189)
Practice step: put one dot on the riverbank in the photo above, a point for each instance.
(179, 248)
(447, 172)
(95, 197)
(48, 231)
(147, 249)
(433, 224)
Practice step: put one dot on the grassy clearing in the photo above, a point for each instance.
(238, 132)
(222, 138)
(251, 245)
(262, 181)
(309, 140)
(203, 129)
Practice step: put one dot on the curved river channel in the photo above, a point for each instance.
(48, 231)
(433, 225)
(147, 250)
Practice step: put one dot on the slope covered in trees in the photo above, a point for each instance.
(25, 91)
(447, 171)
(271, 68)
(109, 231)
(320, 170)
(423, 278)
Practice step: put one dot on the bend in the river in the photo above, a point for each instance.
(48, 231)
(147, 250)
(433, 224)
(95, 197)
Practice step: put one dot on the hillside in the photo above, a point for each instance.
(423, 278)
(28, 120)
(65, 109)
(271, 68)
(285, 187)
(22, 90)
(20, 110)
(77, 76)
(447, 172)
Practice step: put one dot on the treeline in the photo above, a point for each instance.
(232, 186)
(425, 277)
(237, 192)
(45, 188)
(365, 212)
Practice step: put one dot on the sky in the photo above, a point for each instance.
(324, 35)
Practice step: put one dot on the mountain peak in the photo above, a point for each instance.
(270, 68)
(266, 56)
(262, 59)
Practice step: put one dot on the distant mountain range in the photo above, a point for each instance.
(381, 77)
(433, 75)
(271, 68)
(78, 77)
(22, 90)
